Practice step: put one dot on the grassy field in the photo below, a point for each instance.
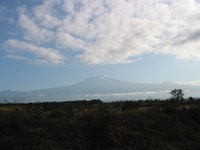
(125, 125)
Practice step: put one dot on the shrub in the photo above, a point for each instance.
(129, 105)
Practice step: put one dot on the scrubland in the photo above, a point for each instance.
(125, 125)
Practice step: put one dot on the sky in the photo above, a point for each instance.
(52, 43)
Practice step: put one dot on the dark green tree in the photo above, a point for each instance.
(191, 99)
(177, 94)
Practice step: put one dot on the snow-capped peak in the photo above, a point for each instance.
(102, 76)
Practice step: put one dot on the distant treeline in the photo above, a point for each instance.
(77, 102)
(123, 104)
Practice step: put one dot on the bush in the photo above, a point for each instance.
(129, 105)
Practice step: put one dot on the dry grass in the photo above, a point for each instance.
(104, 126)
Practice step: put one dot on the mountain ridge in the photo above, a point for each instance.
(102, 87)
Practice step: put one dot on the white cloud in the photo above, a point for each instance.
(39, 62)
(48, 55)
(115, 31)
(42, 95)
(125, 29)
(189, 83)
(65, 40)
(32, 31)
(16, 57)
(122, 94)
(45, 14)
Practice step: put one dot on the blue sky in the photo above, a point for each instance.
(52, 43)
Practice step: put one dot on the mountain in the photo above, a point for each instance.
(100, 87)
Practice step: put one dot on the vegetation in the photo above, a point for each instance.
(149, 124)
(177, 94)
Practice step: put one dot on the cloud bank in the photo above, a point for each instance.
(123, 94)
(197, 83)
(108, 31)
(47, 55)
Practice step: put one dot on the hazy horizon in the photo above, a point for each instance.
(102, 87)
(103, 76)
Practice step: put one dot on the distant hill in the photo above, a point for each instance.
(101, 87)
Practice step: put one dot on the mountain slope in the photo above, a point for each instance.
(102, 87)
